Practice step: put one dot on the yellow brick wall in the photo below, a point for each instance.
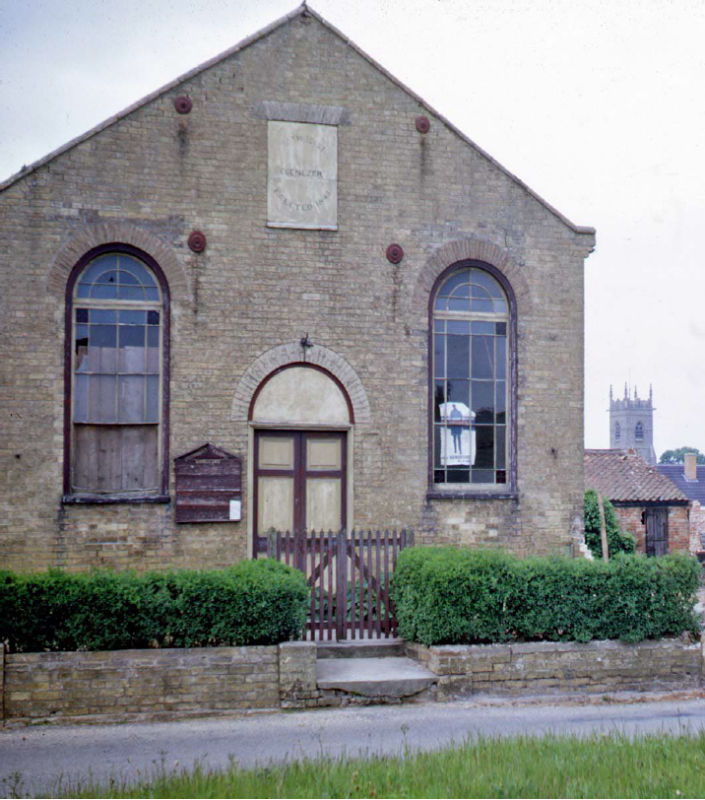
(154, 176)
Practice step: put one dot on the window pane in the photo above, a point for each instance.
(483, 476)
(131, 398)
(131, 293)
(501, 363)
(483, 305)
(152, 318)
(103, 335)
(501, 401)
(481, 278)
(101, 398)
(103, 315)
(439, 367)
(80, 398)
(458, 475)
(501, 447)
(132, 359)
(483, 401)
(133, 317)
(484, 443)
(81, 348)
(152, 412)
(437, 446)
(458, 356)
(438, 399)
(102, 359)
(453, 282)
(482, 356)
(460, 327)
(132, 335)
(458, 391)
(81, 315)
(457, 303)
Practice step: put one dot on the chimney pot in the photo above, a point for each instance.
(690, 466)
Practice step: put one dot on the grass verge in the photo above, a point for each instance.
(610, 765)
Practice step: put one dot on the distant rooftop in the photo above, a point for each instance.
(623, 475)
(693, 490)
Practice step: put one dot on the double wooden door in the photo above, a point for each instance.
(300, 482)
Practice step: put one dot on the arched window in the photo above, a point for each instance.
(471, 376)
(639, 432)
(617, 431)
(117, 330)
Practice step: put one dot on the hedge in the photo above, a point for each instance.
(445, 595)
(253, 602)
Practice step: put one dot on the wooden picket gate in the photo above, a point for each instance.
(348, 574)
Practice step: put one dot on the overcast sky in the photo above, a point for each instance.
(598, 106)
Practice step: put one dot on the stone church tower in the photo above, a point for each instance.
(632, 424)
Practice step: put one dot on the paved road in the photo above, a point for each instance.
(34, 759)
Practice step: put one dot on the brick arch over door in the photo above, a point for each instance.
(477, 249)
(286, 354)
(104, 233)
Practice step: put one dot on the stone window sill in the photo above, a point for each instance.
(113, 499)
(436, 494)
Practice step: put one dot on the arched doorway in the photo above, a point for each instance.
(302, 420)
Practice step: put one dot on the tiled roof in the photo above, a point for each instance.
(624, 475)
(693, 490)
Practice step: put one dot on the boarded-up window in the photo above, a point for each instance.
(116, 388)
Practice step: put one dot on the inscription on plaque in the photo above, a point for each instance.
(302, 185)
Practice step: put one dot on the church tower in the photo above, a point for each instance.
(632, 424)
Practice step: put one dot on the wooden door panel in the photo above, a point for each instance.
(323, 454)
(323, 504)
(275, 503)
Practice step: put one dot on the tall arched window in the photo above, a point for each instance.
(639, 432)
(617, 431)
(117, 330)
(471, 376)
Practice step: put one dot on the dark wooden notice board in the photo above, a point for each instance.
(207, 480)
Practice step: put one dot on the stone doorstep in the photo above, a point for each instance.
(361, 648)
(388, 677)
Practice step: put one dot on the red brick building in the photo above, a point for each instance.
(646, 503)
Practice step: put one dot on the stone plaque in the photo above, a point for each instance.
(302, 190)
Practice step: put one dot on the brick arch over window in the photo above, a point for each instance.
(93, 236)
(476, 249)
(286, 354)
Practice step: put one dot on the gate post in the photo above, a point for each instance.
(300, 550)
(341, 584)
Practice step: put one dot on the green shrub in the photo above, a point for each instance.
(449, 596)
(618, 541)
(253, 602)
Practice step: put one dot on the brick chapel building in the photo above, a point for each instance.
(283, 292)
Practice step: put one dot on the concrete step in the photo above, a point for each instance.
(392, 676)
(361, 648)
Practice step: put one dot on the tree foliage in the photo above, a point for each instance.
(618, 541)
(677, 456)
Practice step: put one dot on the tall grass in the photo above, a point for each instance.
(611, 765)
